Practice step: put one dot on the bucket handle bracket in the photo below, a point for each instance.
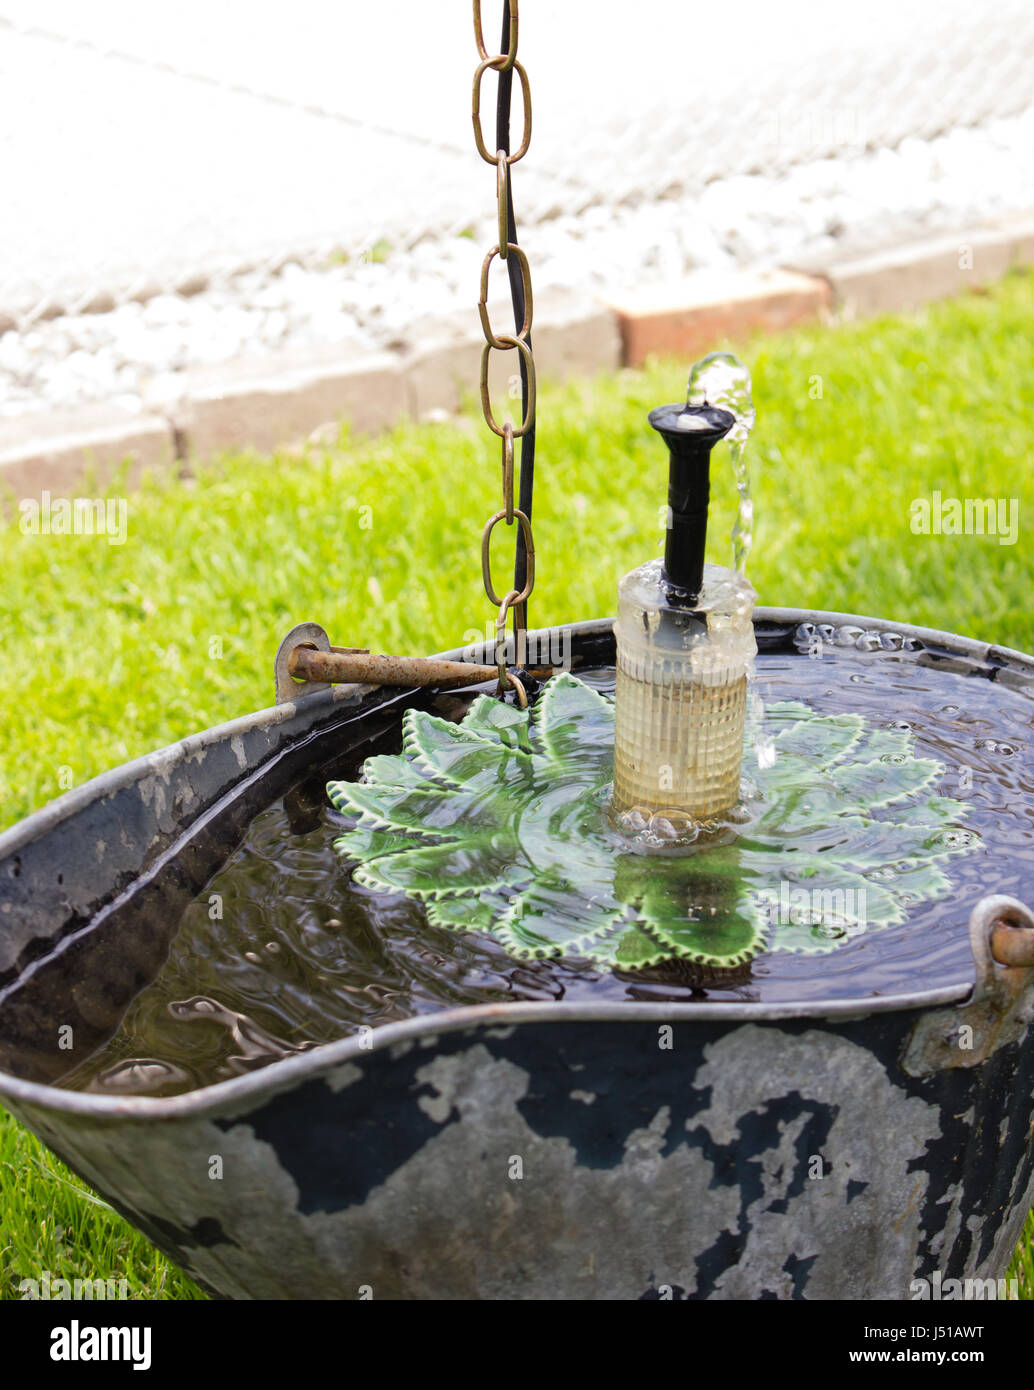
(1001, 1006)
(288, 688)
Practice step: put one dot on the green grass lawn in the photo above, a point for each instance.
(110, 651)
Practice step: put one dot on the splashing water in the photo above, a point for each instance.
(721, 379)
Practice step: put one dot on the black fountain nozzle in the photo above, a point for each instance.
(690, 432)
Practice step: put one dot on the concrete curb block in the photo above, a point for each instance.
(908, 276)
(270, 403)
(55, 451)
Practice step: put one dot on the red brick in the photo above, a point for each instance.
(688, 317)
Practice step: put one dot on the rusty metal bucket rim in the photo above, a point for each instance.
(246, 1091)
(306, 1066)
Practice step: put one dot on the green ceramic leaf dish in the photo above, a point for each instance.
(497, 825)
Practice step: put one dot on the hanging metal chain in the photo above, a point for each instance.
(505, 64)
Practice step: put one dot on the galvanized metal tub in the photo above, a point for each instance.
(561, 1150)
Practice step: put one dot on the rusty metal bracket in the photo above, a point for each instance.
(998, 1012)
(306, 662)
(309, 635)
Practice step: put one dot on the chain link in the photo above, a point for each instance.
(510, 57)
(497, 65)
(486, 557)
(508, 471)
(522, 261)
(520, 341)
(507, 677)
(502, 184)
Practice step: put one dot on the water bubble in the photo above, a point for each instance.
(991, 745)
(828, 931)
(957, 839)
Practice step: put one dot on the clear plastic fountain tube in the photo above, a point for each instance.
(681, 697)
